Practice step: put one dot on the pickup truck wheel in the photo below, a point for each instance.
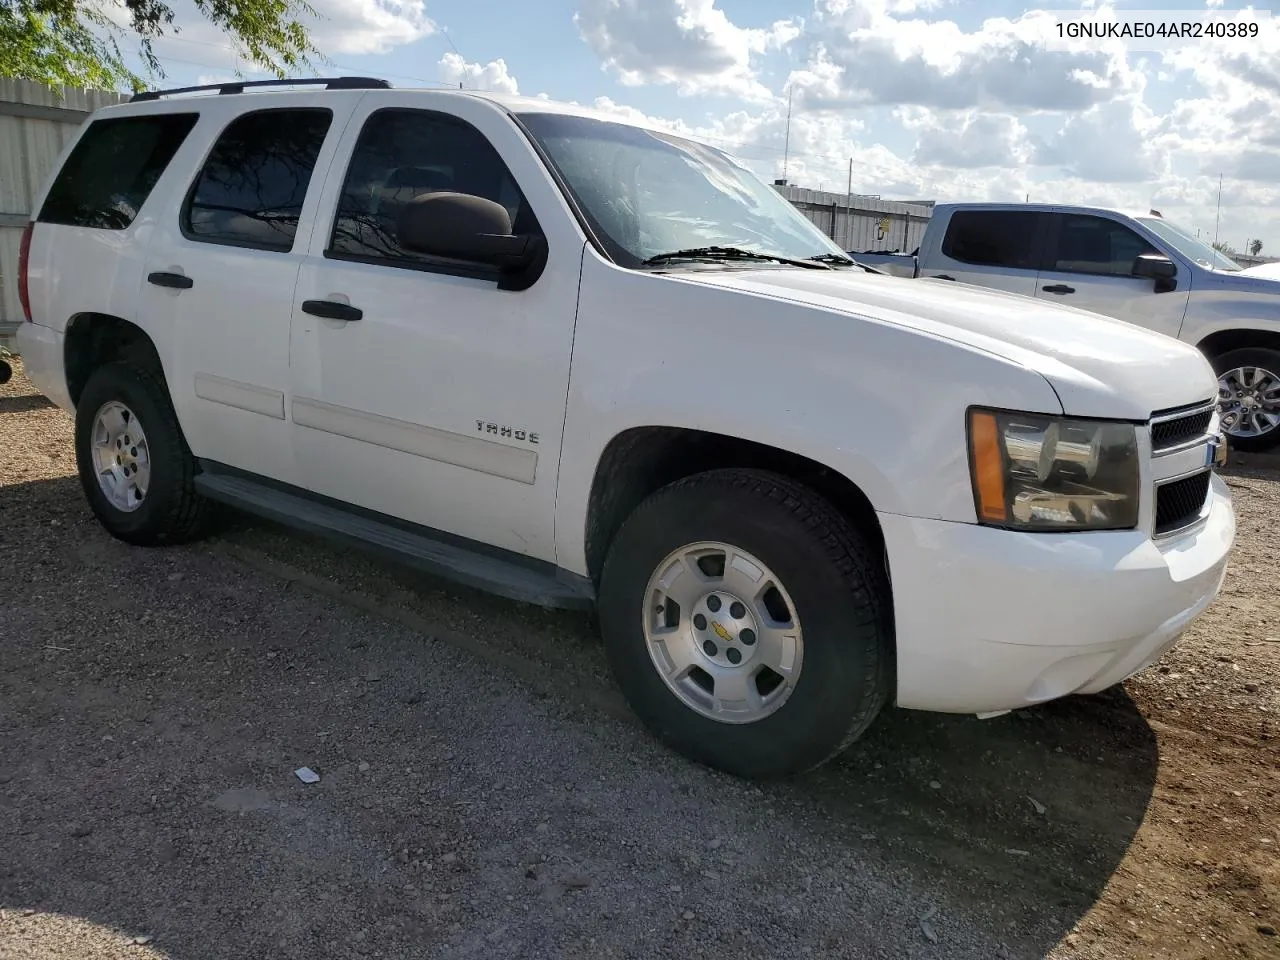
(1249, 397)
(135, 468)
(747, 623)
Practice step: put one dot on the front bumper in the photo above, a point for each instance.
(992, 620)
(41, 349)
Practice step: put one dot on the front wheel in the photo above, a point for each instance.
(747, 623)
(1249, 397)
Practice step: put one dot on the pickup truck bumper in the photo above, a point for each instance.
(41, 350)
(990, 620)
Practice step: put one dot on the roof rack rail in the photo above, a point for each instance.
(329, 83)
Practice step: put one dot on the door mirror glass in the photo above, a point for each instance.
(1157, 268)
(1154, 266)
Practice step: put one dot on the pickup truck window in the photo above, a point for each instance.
(993, 238)
(251, 189)
(1083, 243)
(1188, 245)
(645, 193)
(401, 154)
(112, 170)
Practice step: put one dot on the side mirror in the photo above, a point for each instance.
(1157, 268)
(460, 226)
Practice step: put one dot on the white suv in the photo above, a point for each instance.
(582, 363)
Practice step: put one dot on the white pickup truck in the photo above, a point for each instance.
(582, 363)
(1140, 268)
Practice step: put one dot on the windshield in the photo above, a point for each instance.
(646, 193)
(1187, 245)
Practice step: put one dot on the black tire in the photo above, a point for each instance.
(172, 512)
(1251, 357)
(840, 591)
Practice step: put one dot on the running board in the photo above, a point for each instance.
(517, 578)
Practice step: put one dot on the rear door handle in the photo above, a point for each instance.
(1059, 288)
(175, 281)
(942, 276)
(332, 310)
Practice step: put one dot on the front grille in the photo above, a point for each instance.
(1171, 429)
(1178, 504)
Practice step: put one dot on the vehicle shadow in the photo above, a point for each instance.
(1035, 808)
(156, 702)
(1254, 466)
(25, 404)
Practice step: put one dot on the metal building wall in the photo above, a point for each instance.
(862, 223)
(35, 123)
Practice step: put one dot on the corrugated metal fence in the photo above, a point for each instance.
(35, 123)
(862, 224)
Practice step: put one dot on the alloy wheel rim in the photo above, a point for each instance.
(722, 632)
(121, 456)
(1249, 401)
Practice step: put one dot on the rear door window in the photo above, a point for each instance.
(112, 170)
(993, 238)
(251, 190)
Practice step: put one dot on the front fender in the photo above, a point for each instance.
(880, 404)
(1221, 308)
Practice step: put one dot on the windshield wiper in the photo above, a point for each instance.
(730, 253)
(846, 261)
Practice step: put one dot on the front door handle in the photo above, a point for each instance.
(332, 310)
(1059, 288)
(175, 281)
(942, 276)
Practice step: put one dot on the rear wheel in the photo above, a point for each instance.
(747, 623)
(135, 468)
(1249, 397)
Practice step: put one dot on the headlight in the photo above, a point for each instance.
(1036, 472)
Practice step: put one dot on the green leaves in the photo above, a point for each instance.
(77, 42)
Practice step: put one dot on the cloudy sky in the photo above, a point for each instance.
(931, 99)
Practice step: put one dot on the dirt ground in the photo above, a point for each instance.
(485, 793)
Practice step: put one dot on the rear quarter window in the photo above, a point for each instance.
(992, 238)
(112, 170)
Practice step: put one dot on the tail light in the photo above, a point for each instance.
(24, 260)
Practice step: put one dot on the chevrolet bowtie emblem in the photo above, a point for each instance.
(721, 632)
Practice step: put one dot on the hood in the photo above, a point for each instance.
(1098, 366)
(1260, 280)
(1262, 271)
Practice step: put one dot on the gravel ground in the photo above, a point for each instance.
(485, 793)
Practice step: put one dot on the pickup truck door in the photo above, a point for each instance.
(420, 390)
(1089, 263)
(989, 248)
(221, 268)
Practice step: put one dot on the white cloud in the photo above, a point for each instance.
(969, 139)
(859, 53)
(689, 44)
(209, 79)
(492, 76)
(340, 27)
(369, 26)
(1108, 143)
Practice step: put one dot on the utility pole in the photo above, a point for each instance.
(1218, 216)
(786, 146)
